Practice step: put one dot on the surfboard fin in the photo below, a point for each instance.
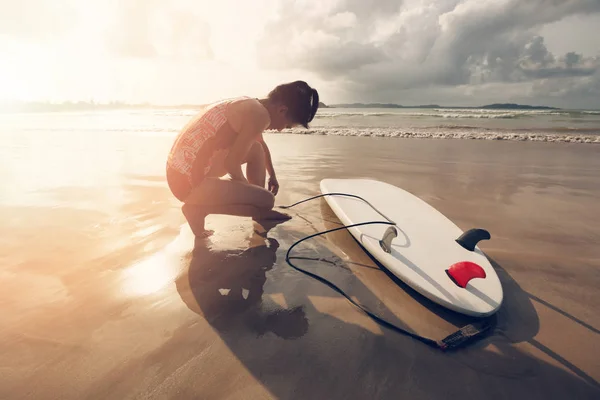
(386, 240)
(462, 272)
(470, 238)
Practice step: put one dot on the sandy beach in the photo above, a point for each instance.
(106, 294)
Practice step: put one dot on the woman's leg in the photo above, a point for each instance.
(256, 170)
(222, 196)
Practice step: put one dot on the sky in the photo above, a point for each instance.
(449, 52)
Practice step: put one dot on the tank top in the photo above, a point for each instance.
(197, 134)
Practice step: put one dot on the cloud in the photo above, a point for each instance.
(407, 51)
(571, 65)
(330, 39)
(527, 60)
(571, 91)
(133, 28)
(151, 29)
(390, 45)
(36, 19)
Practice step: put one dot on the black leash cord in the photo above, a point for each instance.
(453, 340)
(380, 320)
(344, 195)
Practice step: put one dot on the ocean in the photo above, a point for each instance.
(520, 125)
(536, 125)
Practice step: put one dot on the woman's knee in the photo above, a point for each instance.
(267, 200)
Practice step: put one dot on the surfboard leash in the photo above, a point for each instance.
(340, 194)
(452, 341)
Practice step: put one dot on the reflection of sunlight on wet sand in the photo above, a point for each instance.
(230, 232)
(279, 299)
(55, 155)
(160, 269)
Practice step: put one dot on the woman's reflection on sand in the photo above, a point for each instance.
(226, 287)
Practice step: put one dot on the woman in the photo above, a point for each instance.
(220, 139)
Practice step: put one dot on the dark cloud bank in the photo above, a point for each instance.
(435, 50)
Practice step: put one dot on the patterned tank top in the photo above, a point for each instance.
(191, 139)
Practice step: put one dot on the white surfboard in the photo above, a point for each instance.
(422, 248)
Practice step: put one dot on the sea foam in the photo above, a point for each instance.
(531, 136)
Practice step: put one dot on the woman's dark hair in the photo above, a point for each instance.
(301, 100)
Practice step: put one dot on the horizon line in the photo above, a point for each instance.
(15, 105)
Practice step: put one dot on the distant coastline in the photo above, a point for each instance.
(495, 106)
(91, 106)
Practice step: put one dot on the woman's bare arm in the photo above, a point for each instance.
(253, 122)
(273, 184)
(268, 160)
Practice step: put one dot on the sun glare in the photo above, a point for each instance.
(157, 271)
(15, 81)
(109, 52)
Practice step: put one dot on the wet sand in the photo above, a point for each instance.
(106, 295)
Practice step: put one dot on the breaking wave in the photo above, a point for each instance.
(521, 136)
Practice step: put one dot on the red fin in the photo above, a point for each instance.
(462, 272)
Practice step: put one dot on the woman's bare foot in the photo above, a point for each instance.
(195, 216)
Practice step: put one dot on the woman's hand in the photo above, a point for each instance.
(273, 185)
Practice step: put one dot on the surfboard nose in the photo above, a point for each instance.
(462, 272)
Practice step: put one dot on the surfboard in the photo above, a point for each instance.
(424, 248)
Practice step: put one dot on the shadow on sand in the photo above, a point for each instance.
(301, 340)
